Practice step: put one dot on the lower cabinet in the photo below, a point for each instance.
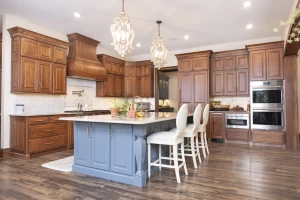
(237, 134)
(217, 125)
(104, 146)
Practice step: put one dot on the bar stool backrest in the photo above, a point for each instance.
(181, 120)
(206, 115)
(197, 117)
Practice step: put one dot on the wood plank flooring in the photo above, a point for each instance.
(231, 171)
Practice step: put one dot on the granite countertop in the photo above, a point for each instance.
(233, 112)
(41, 114)
(153, 117)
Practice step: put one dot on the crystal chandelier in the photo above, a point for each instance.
(158, 50)
(292, 21)
(122, 33)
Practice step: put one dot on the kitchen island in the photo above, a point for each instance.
(115, 148)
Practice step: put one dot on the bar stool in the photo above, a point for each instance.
(191, 133)
(202, 129)
(171, 139)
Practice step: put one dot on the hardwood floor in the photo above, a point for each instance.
(230, 172)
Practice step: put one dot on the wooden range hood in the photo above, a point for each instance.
(82, 59)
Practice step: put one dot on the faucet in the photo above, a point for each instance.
(137, 97)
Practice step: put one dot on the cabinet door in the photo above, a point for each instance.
(121, 81)
(130, 70)
(241, 61)
(147, 70)
(242, 82)
(82, 144)
(121, 149)
(185, 65)
(201, 63)
(186, 87)
(218, 64)
(191, 108)
(103, 87)
(201, 87)
(217, 125)
(59, 79)
(274, 64)
(258, 65)
(29, 75)
(140, 70)
(122, 70)
(45, 77)
(29, 48)
(60, 55)
(108, 66)
(138, 86)
(147, 87)
(113, 85)
(161, 90)
(115, 69)
(229, 62)
(45, 51)
(129, 86)
(217, 84)
(100, 148)
(230, 83)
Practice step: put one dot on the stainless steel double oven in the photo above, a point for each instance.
(267, 105)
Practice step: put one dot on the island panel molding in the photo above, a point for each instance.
(32, 61)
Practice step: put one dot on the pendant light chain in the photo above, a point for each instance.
(122, 5)
(158, 29)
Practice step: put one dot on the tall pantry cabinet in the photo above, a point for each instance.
(193, 78)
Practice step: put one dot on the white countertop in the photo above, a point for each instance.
(43, 114)
(153, 117)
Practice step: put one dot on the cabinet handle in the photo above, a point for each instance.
(268, 73)
(87, 132)
(49, 143)
(91, 132)
(50, 130)
(38, 120)
(111, 134)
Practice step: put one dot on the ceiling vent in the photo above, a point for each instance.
(82, 60)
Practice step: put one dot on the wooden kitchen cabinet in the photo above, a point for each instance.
(139, 71)
(185, 87)
(130, 69)
(266, 61)
(103, 87)
(122, 84)
(147, 85)
(115, 69)
(200, 63)
(130, 86)
(38, 63)
(237, 134)
(39, 135)
(242, 62)
(217, 125)
(217, 83)
(218, 64)
(242, 79)
(230, 83)
(59, 79)
(148, 70)
(229, 63)
(185, 65)
(201, 88)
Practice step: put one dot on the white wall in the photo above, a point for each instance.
(172, 60)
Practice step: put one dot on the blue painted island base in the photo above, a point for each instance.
(116, 152)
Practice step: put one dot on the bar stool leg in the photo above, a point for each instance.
(175, 155)
(206, 145)
(197, 146)
(159, 149)
(170, 153)
(193, 151)
(149, 160)
(183, 159)
(203, 145)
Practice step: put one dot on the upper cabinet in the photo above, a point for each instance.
(230, 73)
(38, 63)
(266, 61)
(185, 65)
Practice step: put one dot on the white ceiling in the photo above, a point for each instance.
(208, 22)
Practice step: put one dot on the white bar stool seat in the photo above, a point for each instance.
(172, 139)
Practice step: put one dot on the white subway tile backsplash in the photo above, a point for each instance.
(233, 101)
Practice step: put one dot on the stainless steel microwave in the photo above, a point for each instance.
(267, 94)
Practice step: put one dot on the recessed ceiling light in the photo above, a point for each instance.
(186, 37)
(249, 26)
(138, 44)
(76, 14)
(247, 4)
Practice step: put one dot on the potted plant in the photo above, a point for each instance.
(114, 111)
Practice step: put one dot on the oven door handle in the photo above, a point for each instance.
(267, 110)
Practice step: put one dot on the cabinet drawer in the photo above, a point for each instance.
(271, 137)
(38, 120)
(46, 130)
(237, 134)
(55, 119)
(47, 143)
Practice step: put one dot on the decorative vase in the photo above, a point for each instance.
(114, 111)
(131, 113)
